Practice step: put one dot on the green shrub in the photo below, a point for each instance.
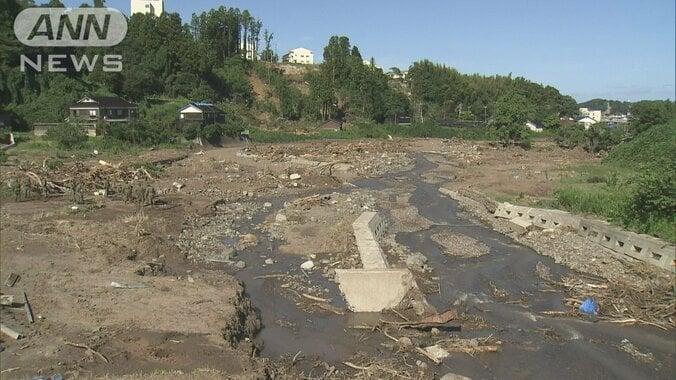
(654, 147)
(68, 136)
(653, 202)
(53, 164)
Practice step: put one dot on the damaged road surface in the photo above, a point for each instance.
(240, 269)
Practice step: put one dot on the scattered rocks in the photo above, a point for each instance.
(629, 348)
(405, 341)
(280, 218)
(240, 264)
(294, 177)
(269, 261)
(267, 205)
(456, 244)
(308, 265)
(416, 261)
(248, 240)
(437, 352)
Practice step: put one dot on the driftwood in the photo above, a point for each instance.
(431, 321)
(89, 349)
(27, 306)
(313, 298)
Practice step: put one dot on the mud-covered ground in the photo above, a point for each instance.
(209, 282)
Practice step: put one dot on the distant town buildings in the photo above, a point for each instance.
(593, 114)
(155, 7)
(299, 55)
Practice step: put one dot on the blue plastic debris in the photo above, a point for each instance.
(589, 306)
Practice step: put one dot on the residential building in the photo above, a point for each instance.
(201, 113)
(93, 109)
(587, 122)
(154, 7)
(594, 114)
(299, 55)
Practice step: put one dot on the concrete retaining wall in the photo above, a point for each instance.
(642, 247)
(367, 229)
(375, 287)
(540, 217)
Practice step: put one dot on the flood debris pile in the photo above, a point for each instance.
(78, 179)
(650, 303)
(365, 157)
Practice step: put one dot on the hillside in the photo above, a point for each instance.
(613, 106)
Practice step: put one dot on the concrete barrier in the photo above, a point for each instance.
(376, 286)
(540, 217)
(637, 246)
(367, 229)
(373, 290)
(641, 247)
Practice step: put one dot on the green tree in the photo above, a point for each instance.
(512, 111)
(267, 55)
(552, 122)
(649, 113)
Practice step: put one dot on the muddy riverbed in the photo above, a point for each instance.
(222, 293)
(501, 288)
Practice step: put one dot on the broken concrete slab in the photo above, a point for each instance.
(373, 290)
(520, 225)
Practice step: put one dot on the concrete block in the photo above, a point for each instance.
(520, 225)
(374, 290)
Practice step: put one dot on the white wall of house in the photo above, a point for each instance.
(587, 122)
(300, 55)
(594, 114)
(155, 7)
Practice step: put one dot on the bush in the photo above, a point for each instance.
(53, 164)
(67, 136)
(654, 147)
(654, 200)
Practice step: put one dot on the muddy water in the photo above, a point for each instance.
(575, 349)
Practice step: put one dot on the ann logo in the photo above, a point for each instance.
(43, 27)
(70, 27)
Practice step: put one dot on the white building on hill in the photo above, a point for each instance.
(155, 7)
(299, 55)
(593, 114)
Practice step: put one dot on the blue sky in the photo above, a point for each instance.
(613, 49)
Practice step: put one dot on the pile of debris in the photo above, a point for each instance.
(75, 179)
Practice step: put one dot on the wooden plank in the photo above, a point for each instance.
(27, 306)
